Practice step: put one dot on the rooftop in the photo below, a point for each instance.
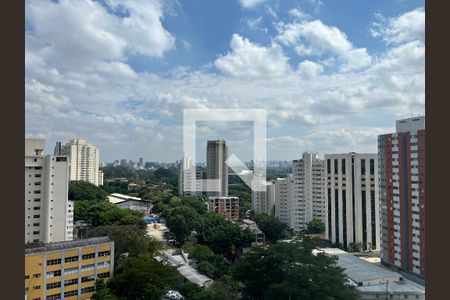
(41, 247)
(119, 198)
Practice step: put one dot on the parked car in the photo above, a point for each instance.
(174, 295)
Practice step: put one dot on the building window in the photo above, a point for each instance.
(36, 208)
(71, 259)
(103, 264)
(343, 166)
(27, 277)
(89, 278)
(87, 268)
(37, 200)
(37, 175)
(363, 166)
(37, 275)
(36, 287)
(53, 297)
(335, 166)
(53, 285)
(37, 192)
(372, 166)
(70, 282)
(103, 275)
(70, 293)
(87, 289)
(54, 273)
(52, 262)
(104, 253)
(88, 256)
(328, 166)
(70, 270)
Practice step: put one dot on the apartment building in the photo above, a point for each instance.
(264, 201)
(186, 184)
(402, 193)
(306, 203)
(226, 206)
(352, 199)
(84, 160)
(48, 213)
(216, 167)
(283, 194)
(67, 270)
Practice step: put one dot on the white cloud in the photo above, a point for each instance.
(313, 38)
(251, 60)
(308, 69)
(79, 33)
(407, 27)
(298, 14)
(251, 3)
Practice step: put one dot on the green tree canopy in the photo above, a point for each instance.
(273, 229)
(316, 226)
(127, 239)
(182, 221)
(224, 237)
(82, 190)
(223, 289)
(143, 278)
(292, 271)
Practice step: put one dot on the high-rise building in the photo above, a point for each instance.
(402, 193)
(186, 186)
(84, 160)
(216, 167)
(48, 213)
(307, 202)
(100, 177)
(67, 270)
(283, 196)
(264, 201)
(352, 199)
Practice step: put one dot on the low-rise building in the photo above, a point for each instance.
(226, 206)
(374, 281)
(130, 202)
(67, 270)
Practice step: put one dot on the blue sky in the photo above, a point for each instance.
(331, 74)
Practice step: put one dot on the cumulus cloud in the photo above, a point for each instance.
(79, 33)
(251, 3)
(251, 60)
(407, 27)
(308, 69)
(313, 38)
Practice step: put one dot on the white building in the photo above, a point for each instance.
(374, 282)
(48, 213)
(130, 202)
(264, 201)
(186, 185)
(100, 177)
(352, 199)
(84, 159)
(283, 196)
(307, 201)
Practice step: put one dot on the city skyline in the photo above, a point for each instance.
(328, 81)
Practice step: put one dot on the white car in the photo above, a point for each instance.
(174, 295)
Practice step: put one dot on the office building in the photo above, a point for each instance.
(67, 270)
(283, 196)
(226, 206)
(84, 160)
(48, 213)
(352, 200)
(216, 167)
(307, 202)
(402, 193)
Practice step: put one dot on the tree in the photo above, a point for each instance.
(273, 229)
(182, 220)
(224, 237)
(190, 290)
(196, 203)
(82, 190)
(292, 271)
(127, 239)
(223, 289)
(102, 292)
(316, 226)
(143, 278)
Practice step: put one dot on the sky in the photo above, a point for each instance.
(331, 74)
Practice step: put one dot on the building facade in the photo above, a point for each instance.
(264, 201)
(67, 270)
(283, 196)
(84, 160)
(225, 206)
(216, 167)
(48, 212)
(307, 202)
(352, 199)
(186, 186)
(402, 193)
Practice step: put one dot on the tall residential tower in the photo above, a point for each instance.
(402, 193)
(216, 167)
